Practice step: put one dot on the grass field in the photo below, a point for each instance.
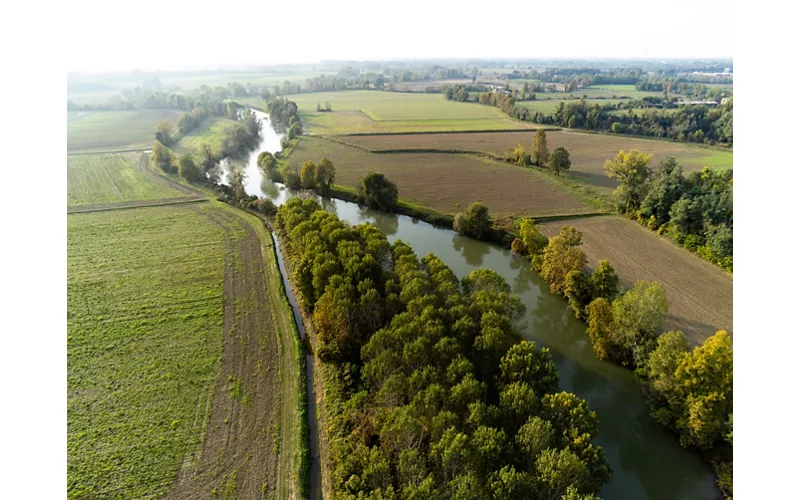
(587, 152)
(183, 374)
(110, 178)
(700, 294)
(210, 132)
(96, 131)
(145, 296)
(364, 111)
(447, 182)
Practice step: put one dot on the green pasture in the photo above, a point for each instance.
(211, 132)
(96, 131)
(110, 178)
(144, 323)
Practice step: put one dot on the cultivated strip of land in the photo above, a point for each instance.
(110, 182)
(447, 182)
(587, 152)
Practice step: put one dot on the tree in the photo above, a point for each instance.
(164, 132)
(631, 170)
(326, 175)
(638, 314)
(535, 436)
(604, 281)
(557, 471)
(378, 191)
(578, 292)
(562, 255)
(539, 153)
(519, 156)
(667, 187)
(559, 160)
(670, 350)
(162, 157)
(703, 397)
(475, 222)
(533, 240)
(188, 169)
(308, 175)
(600, 321)
(524, 362)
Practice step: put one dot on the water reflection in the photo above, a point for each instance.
(472, 251)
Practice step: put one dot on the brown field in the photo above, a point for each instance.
(588, 152)
(446, 182)
(700, 294)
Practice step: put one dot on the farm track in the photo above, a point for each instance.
(252, 396)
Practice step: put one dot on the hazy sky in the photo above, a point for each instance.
(166, 34)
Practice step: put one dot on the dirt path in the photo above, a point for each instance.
(248, 447)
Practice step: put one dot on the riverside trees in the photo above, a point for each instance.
(432, 390)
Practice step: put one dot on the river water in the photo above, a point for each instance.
(647, 460)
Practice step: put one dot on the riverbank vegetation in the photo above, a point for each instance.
(440, 395)
(689, 391)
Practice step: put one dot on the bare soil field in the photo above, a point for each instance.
(447, 182)
(700, 294)
(587, 152)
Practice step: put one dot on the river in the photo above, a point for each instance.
(647, 460)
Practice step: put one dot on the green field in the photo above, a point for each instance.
(381, 112)
(144, 298)
(211, 132)
(110, 178)
(97, 131)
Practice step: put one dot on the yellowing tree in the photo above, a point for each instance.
(308, 175)
(562, 256)
(631, 170)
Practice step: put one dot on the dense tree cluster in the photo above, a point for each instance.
(432, 393)
(691, 123)
(695, 210)
(284, 116)
(455, 93)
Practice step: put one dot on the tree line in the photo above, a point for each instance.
(689, 123)
(695, 210)
(688, 390)
(211, 98)
(430, 390)
(285, 117)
